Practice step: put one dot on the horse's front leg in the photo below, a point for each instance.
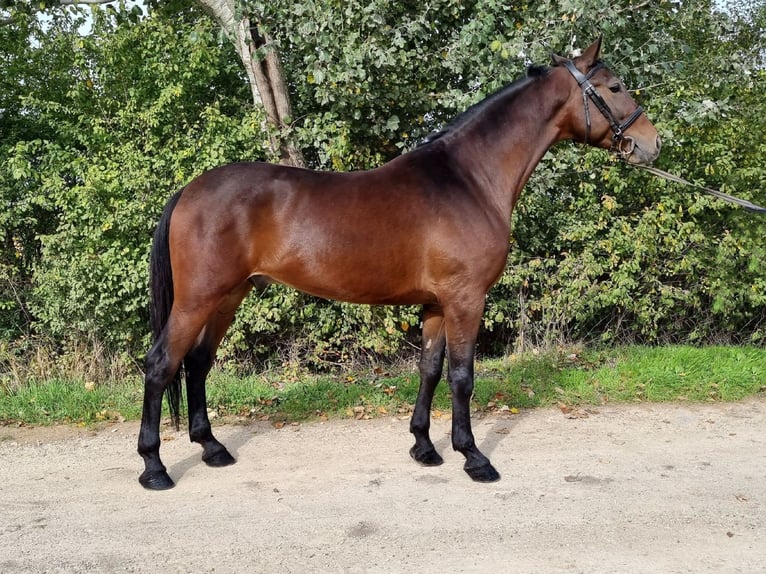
(431, 364)
(462, 326)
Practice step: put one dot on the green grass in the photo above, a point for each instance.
(60, 401)
(659, 374)
(627, 374)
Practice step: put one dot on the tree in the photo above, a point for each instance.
(261, 62)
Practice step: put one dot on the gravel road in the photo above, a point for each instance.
(628, 489)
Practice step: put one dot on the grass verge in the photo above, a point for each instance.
(590, 377)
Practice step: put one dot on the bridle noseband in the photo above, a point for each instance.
(589, 91)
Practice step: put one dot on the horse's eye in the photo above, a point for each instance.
(615, 88)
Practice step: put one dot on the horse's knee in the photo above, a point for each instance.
(431, 363)
(461, 387)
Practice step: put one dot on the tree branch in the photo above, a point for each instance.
(75, 2)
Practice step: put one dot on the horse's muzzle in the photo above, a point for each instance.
(637, 152)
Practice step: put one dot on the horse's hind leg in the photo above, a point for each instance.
(162, 363)
(198, 363)
(160, 369)
(431, 365)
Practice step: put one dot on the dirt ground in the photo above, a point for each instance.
(651, 488)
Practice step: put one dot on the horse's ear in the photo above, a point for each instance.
(589, 56)
(557, 60)
(585, 61)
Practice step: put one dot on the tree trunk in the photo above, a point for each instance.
(266, 76)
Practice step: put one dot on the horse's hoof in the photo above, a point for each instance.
(219, 458)
(157, 480)
(427, 458)
(486, 473)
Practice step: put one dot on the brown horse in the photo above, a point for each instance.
(430, 227)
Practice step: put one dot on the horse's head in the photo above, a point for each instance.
(601, 112)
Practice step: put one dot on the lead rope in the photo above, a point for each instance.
(714, 192)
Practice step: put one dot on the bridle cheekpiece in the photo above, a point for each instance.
(590, 92)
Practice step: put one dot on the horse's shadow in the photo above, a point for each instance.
(233, 444)
(501, 427)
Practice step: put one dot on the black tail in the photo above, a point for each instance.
(161, 285)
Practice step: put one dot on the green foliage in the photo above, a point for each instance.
(98, 130)
(369, 74)
(135, 110)
(602, 252)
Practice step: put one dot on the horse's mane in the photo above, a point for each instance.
(533, 72)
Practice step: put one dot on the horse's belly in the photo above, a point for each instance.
(353, 281)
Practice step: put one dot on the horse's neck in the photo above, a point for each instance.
(503, 146)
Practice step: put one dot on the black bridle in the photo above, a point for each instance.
(589, 91)
(618, 130)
